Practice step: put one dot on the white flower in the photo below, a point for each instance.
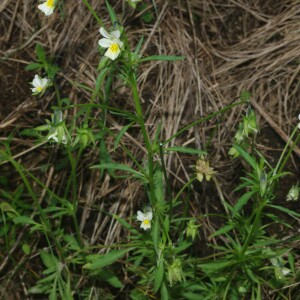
(47, 7)
(145, 218)
(39, 84)
(112, 42)
(299, 122)
(58, 136)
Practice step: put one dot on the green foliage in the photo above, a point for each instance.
(43, 63)
(100, 261)
(162, 57)
(161, 259)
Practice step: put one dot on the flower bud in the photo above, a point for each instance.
(252, 124)
(84, 136)
(233, 152)
(293, 193)
(175, 273)
(192, 229)
(263, 183)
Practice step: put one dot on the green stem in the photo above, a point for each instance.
(74, 192)
(285, 149)
(140, 119)
(169, 191)
(289, 153)
(93, 12)
(253, 227)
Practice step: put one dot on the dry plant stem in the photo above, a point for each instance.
(220, 194)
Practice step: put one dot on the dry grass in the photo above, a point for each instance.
(230, 46)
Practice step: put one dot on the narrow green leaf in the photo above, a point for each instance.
(214, 266)
(185, 150)
(155, 234)
(164, 292)
(71, 242)
(139, 45)
(24, 220)
(251, 275)
(106, 259)
(246, 156)
(120, 167)
(182, 246)
(112, 14)
(111, 278)
(33, 66)
(38, 289)
(157, 133)
(222, 230)
(120, 134)
(105, 157)
(291, 261)
(159, 275)
(126, 225)
(49, 260)
(158, 184)
(99, 82)
(190, 296)
(162, 57)
(52, 295)
(166, 224)
(26, 249)
(279, 220)
(40, 52)
(286, 210)
(242, 201)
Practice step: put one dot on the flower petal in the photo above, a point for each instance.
(112, 54)
(47, 10)
(105, 33)
(105, 43)
(145, 226)
(36, 81)
(44, 82)
(53, 136)
(120, 43)
(116, 34)
(148, 215)
(140, 216)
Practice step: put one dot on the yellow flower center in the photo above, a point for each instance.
(39, 88)
(50, 3)
(146, 222)
(114, 48)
